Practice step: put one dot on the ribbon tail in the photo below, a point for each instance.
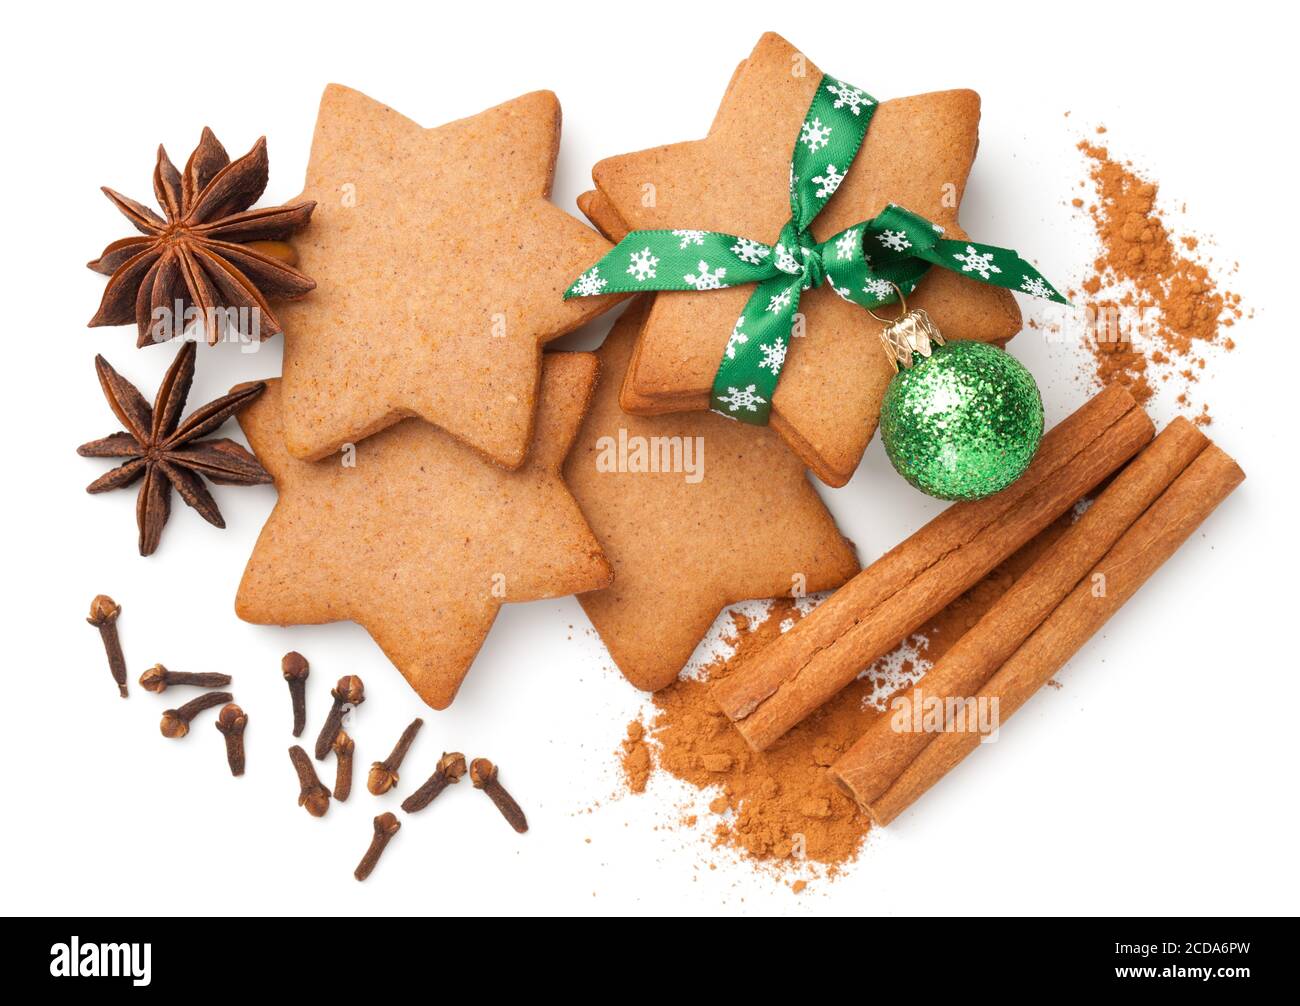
(993, 266)
(755, 353)
(896, 241)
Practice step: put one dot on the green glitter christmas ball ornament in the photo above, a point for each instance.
(963, 422)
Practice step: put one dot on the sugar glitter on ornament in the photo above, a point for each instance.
(963, 423)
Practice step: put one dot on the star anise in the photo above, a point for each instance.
(168, 453)
(212, 256)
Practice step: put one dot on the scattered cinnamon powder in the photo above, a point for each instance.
(778, 807)
(1146, 272)
(636, 758)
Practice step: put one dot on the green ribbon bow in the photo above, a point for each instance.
(863, 263)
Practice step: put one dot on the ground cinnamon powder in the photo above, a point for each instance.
(778, 807)
(1145, 271)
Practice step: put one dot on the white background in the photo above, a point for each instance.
(1159, 779)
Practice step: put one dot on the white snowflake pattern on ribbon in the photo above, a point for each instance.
(779, 302)
(750, 251)
(773, 355)
(975, 261)
(846, 95)
(786, 262)
(689, 238)
(829, 182)
(1035, 287)
(814, 135)
(845, 244)
(894, 240)
(737, 338)
(742, 398)
(880, 288)
(589, 283)
(641, 265)
(707, 280)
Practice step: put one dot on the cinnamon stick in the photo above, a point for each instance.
(1152, 539)
(871, 614)
(884, 750)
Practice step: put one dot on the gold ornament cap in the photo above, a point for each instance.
(912, 333)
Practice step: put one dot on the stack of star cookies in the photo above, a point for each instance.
(917, 153)
(417, 434)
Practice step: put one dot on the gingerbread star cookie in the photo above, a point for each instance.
(421, 541)
(694, 512)
(440, 267)
(917, 153)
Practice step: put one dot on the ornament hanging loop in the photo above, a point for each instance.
(911, 333)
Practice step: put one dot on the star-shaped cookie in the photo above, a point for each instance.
(421, 541)
(917, 153)
(740, 521)
(440, 267)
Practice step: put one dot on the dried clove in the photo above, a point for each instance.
(231, 722)
(103, 615)
(313, 794)
(295, 669)
(158, 678)
(483, 774)
(386, 826)
(348, 693)
(176, 722)
(343, 748)
(383, 774)
(450, 769)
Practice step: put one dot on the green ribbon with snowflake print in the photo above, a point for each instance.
(862, 263)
